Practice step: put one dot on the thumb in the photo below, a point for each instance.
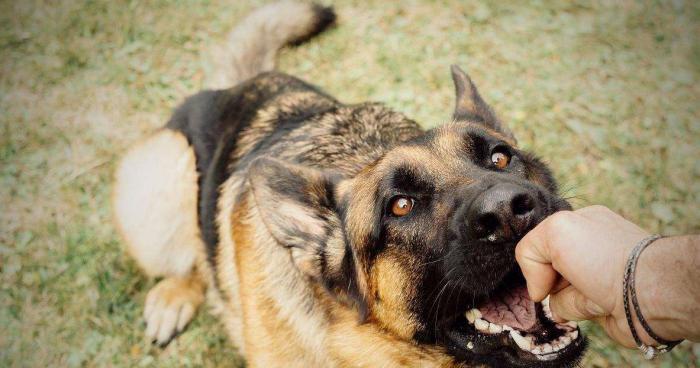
(570, 305)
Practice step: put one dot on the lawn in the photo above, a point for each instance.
(608, 94)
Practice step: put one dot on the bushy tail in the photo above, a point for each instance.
(252, 46)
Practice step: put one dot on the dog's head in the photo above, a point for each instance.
(423, 240)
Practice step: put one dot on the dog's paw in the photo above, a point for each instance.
(170, 306)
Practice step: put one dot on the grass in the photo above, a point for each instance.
(607, 94)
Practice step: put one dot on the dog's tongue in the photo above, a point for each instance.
(512, 307)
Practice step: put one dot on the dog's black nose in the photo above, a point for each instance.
(504, 212)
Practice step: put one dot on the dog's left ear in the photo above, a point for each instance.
(469, 106)
(297, 205)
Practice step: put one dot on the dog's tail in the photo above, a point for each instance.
(252, 46)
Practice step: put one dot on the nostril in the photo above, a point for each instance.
(522, 204)
(487, 224)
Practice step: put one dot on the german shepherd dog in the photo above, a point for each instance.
(336, 235)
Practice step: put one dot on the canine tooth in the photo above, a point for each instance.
(481, 325)
(477, 313)
(531, 339)
(493, 328)
(545, 302)
(522, 342)
(470, 316)
(547, 348)
(574, 335)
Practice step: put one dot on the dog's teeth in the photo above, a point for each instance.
(574, 335)
(522, 342)
(507, 328)
(547, 348)
(536, 350)
(571, 324)
(556, 346)
(470, 316)
(494, 328)
(545, 307)
(481, 325)
(566, 340)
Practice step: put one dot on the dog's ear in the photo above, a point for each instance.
(469, 106)
(297, 206)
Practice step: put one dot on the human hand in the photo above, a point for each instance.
(578, 258)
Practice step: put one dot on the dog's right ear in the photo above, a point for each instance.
(469, 106)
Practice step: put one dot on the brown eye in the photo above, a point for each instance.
(401, 206)
(500, 159)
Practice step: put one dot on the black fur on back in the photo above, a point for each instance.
(212, 121)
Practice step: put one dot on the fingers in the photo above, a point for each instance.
(534, 257)
(570, 305)
(560, 284)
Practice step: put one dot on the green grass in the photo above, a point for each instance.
(607, 94)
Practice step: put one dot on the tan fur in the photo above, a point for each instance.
(261, 124)
(393, 286)
(252, 46)
(365, 345)
(155, 204)
(227, 270)
(155, 208)
(284, 321)
(170, 306)
(271, 313)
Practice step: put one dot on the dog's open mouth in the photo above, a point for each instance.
(512, 312)
(508, 329)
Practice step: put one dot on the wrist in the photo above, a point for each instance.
(663, 289)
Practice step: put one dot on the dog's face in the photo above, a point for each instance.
(422, 241)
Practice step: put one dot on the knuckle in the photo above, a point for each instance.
(556, 229)
(559, 219)
(597, 209)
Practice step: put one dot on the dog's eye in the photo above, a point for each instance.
(401, 206)
(500, 159)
